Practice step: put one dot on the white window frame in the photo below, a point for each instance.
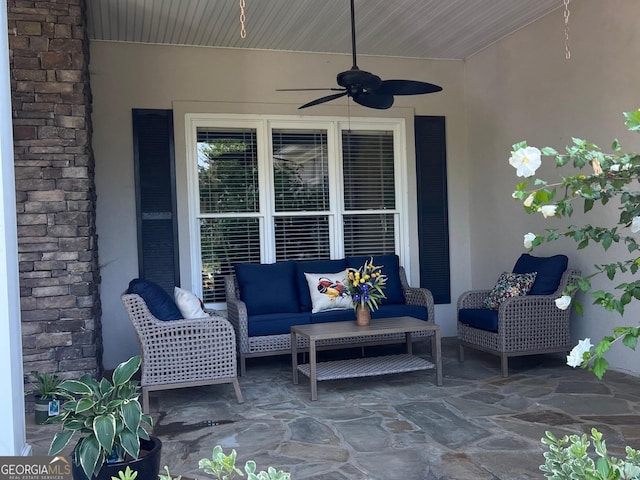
(264, 124)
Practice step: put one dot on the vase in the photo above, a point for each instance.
(363, 315)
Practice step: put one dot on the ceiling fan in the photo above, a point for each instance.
(365, 88)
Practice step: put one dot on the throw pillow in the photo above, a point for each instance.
(509, 285)
(158, 301)
(328, 291)
(188, 304)
(549, 269)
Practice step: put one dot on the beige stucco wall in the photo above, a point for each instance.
(524, 88)
(192, 79)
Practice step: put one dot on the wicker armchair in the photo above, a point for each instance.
(182, 353)
(527, 325)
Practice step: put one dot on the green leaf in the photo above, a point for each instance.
(76, 387)
(60, 440)
(104, 427)
(130, 442)
(89, 452)
(125, 371)
(578, 306)
(600, 366)
(630, 340)
(548, 151)
(633, 120)
(132, 413)
(84, 404)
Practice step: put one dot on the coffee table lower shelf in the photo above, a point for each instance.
(366, 367)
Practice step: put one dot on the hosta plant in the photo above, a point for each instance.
(106, 414)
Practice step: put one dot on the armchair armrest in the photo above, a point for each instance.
(237, 313)
(417, 296)
(472, 299)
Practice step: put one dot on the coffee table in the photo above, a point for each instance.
(362, 367)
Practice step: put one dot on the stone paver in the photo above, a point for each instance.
(476, 426)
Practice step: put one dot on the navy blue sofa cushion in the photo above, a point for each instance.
(159, 302)
(482, 318)
(397, 310)
(391, 268)
(268, 288)
(275, 323)
(550, 270)
(334, 316)
(314, 266)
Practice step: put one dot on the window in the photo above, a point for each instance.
(272, 189)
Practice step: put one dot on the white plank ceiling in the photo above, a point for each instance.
(453, 29)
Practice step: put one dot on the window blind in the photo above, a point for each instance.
(302, 238)
(372, 234)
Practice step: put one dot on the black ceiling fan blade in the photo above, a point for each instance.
(328, 89)
(406, 87)
(374, 100)
(320, 100)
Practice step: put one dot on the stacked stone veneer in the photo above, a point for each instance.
(55, 190)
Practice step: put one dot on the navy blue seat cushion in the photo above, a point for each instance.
(391, 268)
(549, 269)
(158, 301)
(314, 266)
(334, 316)
(268, 288)
(397, 310)
(275, 323)
(482, 318)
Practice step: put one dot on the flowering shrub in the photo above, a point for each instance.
(366, 285)
(611, 175)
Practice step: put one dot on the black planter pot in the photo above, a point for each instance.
(44, 409)
(147, 466)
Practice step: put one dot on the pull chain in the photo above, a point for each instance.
(567, 49)
(243, 18)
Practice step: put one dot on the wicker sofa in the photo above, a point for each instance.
(260, 334)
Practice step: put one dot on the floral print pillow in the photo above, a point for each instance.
(509, 285)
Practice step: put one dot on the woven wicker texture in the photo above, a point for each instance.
(281, 344)
(527, 325)
(366, 367)
(199, 351)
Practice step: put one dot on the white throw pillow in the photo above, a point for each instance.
(188, 304)
(328, 291)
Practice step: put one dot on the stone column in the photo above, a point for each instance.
(55, 190)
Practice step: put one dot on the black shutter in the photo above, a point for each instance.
(155, 197)
(433, 226)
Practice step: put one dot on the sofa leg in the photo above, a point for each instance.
(236, 387)
(504, 365)
(460, 353)
(243, 365)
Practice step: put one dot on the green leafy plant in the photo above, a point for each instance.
(223, 467)
(569, 458)
(107, 415)
(610, 175)
(168, 476)
(44, 384)
(128, 474)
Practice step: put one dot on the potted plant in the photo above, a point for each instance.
(46, 403)
(109, 418)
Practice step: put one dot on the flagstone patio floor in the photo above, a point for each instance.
(477, 426)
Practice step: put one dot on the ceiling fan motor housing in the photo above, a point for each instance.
(356, 80)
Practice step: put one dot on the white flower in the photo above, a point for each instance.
(635, 225)
(526, 161)
(528, 239)
(548, 210)
(615, 167)
(529, 200)
(563, 302)
(576, 357)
